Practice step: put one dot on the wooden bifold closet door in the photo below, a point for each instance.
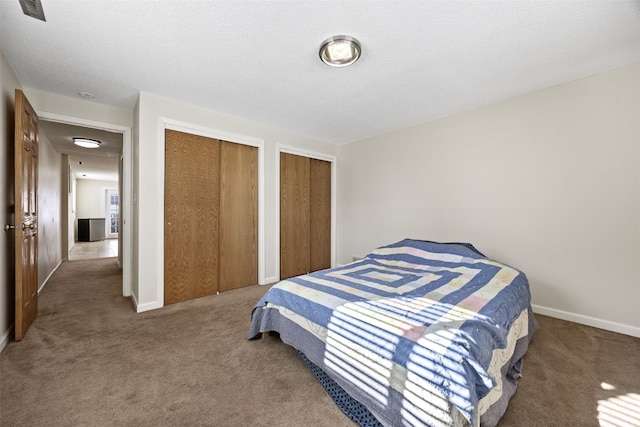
(305, 215)
(211, 216)
(238, 216)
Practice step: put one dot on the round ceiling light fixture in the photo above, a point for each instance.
(86, 142)
(340, 51)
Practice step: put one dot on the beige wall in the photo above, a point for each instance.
(91, 198)
(49, 103)
(49, 209)
(148, 182)
(548, 182)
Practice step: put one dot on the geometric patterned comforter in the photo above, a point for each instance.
(421, 333)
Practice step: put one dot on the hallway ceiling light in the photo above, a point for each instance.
(86, 142)
(340, 51)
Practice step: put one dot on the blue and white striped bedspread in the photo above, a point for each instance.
(412, 331)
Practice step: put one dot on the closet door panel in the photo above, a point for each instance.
(320, 215)
(238, 216)
(294, 215)
(191, 216)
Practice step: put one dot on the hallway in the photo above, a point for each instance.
(89, 250)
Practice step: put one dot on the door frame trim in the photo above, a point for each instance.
(127, 186)
(281, 148)
(171, 124)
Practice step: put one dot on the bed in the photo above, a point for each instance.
(416, 333)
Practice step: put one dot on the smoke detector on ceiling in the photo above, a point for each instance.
(32, 8)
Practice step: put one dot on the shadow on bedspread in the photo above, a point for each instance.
(417, 333)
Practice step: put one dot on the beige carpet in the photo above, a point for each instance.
(89, 360)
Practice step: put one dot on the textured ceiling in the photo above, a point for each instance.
(97, 164)
(259, 59)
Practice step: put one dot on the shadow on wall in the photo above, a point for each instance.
(8, 150)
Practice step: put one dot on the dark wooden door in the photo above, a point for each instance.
(26, 214)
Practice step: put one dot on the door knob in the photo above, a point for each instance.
(23, 227)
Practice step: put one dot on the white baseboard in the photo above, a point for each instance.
(608, 325)
(4, 339)
(49, 276)
(146, 306)
(269, 280)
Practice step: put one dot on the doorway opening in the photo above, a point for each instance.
(98, 190)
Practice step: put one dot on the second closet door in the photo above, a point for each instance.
(320, 215)
(305, 215)
(295, 192)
